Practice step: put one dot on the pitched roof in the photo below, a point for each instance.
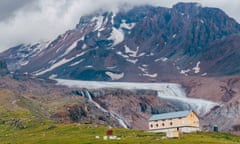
(170, 115)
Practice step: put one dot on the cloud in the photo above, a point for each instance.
(7, 9)
(27, 21)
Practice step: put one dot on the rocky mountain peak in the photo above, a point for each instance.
(144, 43)
(188, 8)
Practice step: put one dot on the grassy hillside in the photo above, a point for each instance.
(21, 126)
(23, 121)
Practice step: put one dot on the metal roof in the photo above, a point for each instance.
(170, 115)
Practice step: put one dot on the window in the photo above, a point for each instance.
(163, 124)
(171, 123)
(156, 125)
(151, 125)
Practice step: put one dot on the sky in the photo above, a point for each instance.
(31, 21)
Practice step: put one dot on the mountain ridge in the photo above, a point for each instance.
(145, 43)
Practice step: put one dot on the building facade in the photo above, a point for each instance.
(182, 121)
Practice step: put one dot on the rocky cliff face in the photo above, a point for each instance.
(223, 90)
(114, 107)
(142, 44)
(121, 107)
(3, 68)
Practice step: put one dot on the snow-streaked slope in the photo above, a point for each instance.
(117, 36)
(58, 64)
(168, 91)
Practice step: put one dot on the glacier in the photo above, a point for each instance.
(168, 91)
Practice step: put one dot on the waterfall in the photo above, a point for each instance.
(112, 114)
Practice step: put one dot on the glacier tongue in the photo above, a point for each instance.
(169, 91)
(200, 106)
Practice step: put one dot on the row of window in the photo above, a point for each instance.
(163, 124)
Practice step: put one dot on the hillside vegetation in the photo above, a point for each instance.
(26, 117)
(18, 125)
(30, 131)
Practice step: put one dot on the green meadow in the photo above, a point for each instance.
(21, 127)
(22, 122)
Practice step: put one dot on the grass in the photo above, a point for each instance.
(32, 130)
(19, 125)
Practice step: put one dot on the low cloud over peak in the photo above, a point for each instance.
(26, 21)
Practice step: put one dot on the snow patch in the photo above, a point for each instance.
(98, 22)
(115, 76)
(52, 61)
(134, 61)
(144, 65)
(117, 36)
(146, 73)
(129, 26)
(53, 76)
(57, 64)
(163, 59)
(123, 55)
(81, 54)
(113, 16)
(131, 53)
(23, 63)
(78, 62)
(204, 74)
(84, 46)
(89, 66)
(69, 49)
(142, 54)
(98, 34)
(197, 68)
(151, 75)
(184, 72)
(142, 69)
(61, 62)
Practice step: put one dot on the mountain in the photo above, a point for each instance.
(20, 55)
(194, 46)
(3, 68)
(144, 43)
